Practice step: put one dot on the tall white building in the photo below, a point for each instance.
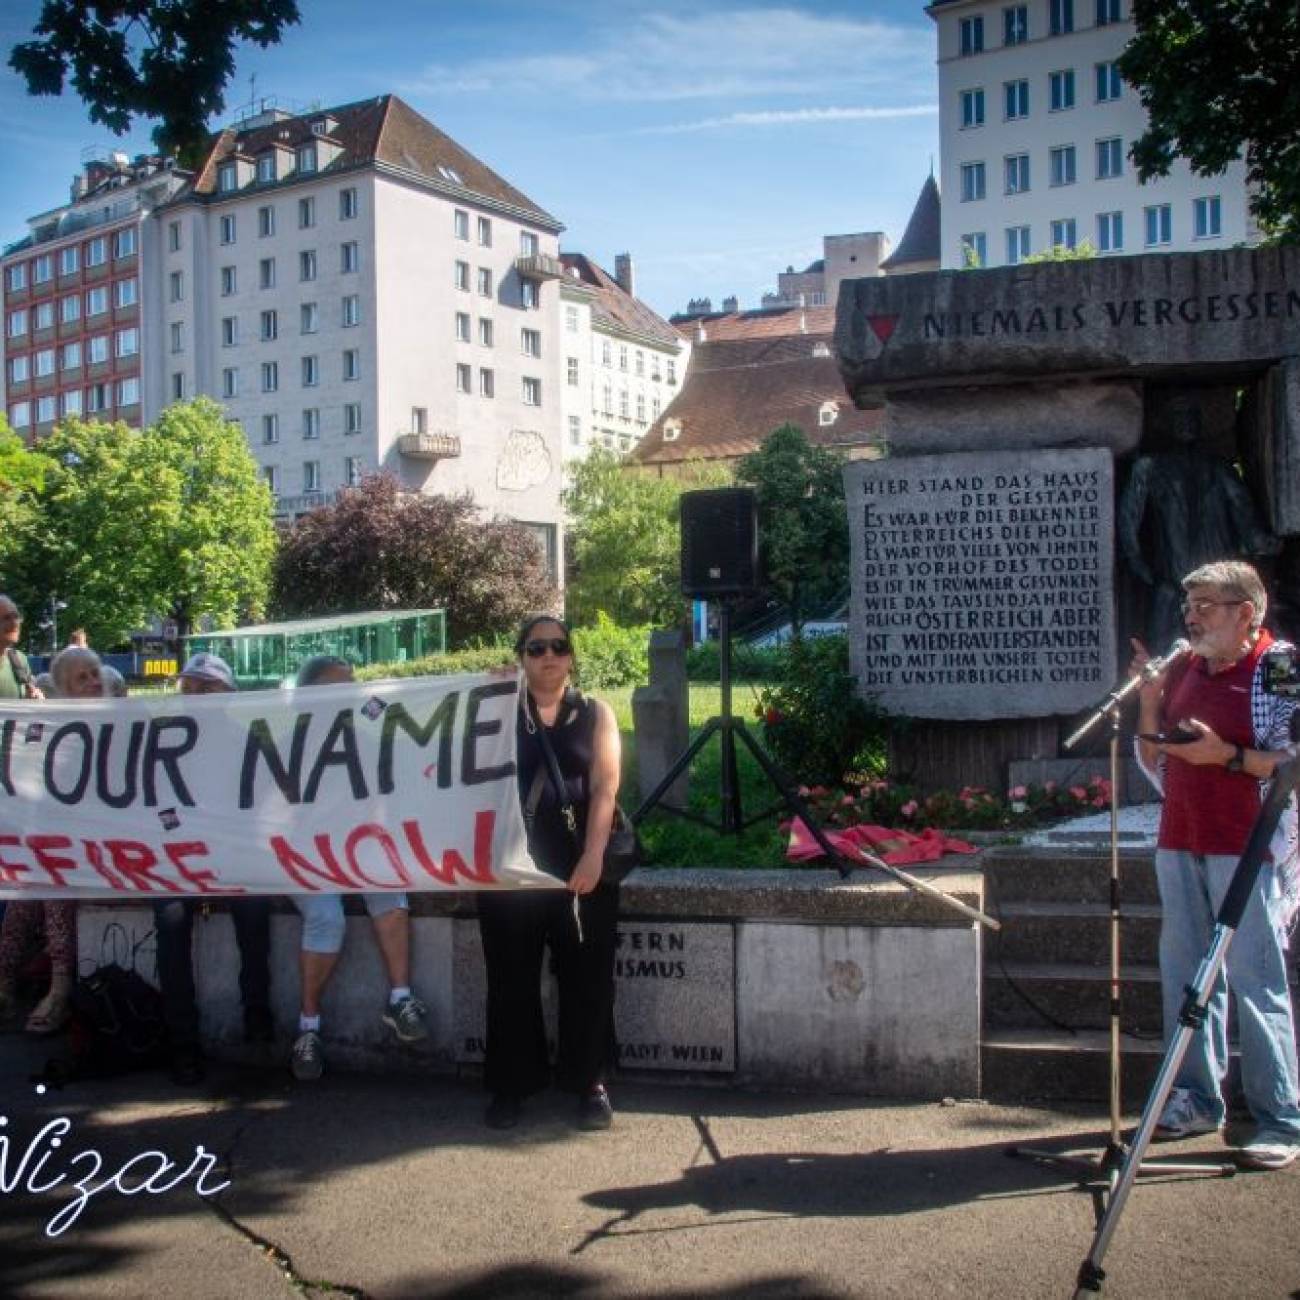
(1035, 128)
(362, 293)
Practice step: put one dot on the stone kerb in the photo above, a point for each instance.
(764, 978)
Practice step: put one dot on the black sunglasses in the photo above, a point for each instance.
(557, 645)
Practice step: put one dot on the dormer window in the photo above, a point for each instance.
(828, 414)
(450, 174)
(307, 158)
(266, 169)
(672, 430)
(323, 126)
(227, 178)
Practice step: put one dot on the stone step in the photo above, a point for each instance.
(1074, 933)
(1029, 1065)
(1072, 995)
(1047, 875)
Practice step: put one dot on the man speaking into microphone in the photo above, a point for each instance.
(1210, 739)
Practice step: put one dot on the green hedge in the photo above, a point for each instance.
(748, 663)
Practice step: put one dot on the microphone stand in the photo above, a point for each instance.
(1104, 1166)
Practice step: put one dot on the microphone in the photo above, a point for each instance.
(1154, 667)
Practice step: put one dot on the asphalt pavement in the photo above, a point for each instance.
(392, 1187)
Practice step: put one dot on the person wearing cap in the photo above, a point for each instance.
(209, 674)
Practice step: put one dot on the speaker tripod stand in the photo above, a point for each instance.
(729, 729)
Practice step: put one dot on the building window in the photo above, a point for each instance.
(1108, 11)
(532, 391)
(70, 308)
(1062, 89)
(271, 477)
(1110, 232)
(307, 264)
(266, 167)
(43, 363)
(571, 320)
(606, 353)
(70, 257)
(530, 342)
(485, 281)
(529, 245)
(308, 318)
(1016, 99)
(348, 205)
(571, 371)
(485, 232)
(307, 158)
(1064, 233)
(127, 342)
(230, 382)
(97, 251)
(640, 364)
(607, 402)
(173, 236)
(270, 376)
(227, 229)
(178, 386)
(229, 281)
(43, 313)
(972, 108)
(352, 470)
(176, 286)
(123, 245)
(672, 371)
(972, 182)
(19, 370)
(1017, 173)
(462, 276)
(96, 303)
(227, 178)
(125, 293)
(1017, 244)
(47, 408)
(1207, 217)
(265, 222)
(528, 295)
(351, 310)
(128, 392)
(640, 408)
(1110, 158)
(311, 476)
(71, 358)
(460, 223)
(350, 257)
(270, 428)
(1109, 82)
(20, 414)
(97, 349)
(16, 276)
(270, 326)
(486, 383)
(177, 336)
(310, 423)
(974, 249)
(352, 417)
(464, 377)
(1063, 165)
(462, 327)
(97, 397)
(42, 269)
(622, 356)
(485, 332)
(229, 331)
(1015, 25)
(266, 273)
(72, 402)
(351, 363)
(306, 213)
(1159, 224)
(17, 323)
(575, 431)
(310, 372)
(972, 35)
(419, 419)
(1060, 17)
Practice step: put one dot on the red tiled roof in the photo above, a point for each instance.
(613, 306)
(763, 323)
(737, 391)
(382, 130)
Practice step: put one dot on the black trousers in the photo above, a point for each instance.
(174, 929)
(516, 928)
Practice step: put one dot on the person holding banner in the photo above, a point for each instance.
(323, 929)
(556, 727)
(208, 674)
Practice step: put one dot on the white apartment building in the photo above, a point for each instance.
(361, 293)
(623, 364)
(1035, 128)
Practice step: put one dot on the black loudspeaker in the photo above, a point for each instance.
(719, 542)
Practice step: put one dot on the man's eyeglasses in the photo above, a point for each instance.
(1203, 607)
(557, 645)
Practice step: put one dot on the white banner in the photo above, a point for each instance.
(393, 785)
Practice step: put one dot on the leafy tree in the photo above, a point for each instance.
(21, 473)
(803, 528)
(1219, 77)
(1060, 253)
(376, 547)
(625, 536)
(168, 60)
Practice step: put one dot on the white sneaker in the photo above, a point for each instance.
(1181, 1118)
(1269, 1150)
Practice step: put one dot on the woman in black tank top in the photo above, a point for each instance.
(579, 924)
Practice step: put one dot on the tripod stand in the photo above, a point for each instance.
(1191, 1017)
(728, 728)
(1104, 1166)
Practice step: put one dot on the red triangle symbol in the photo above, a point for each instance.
(882, 326)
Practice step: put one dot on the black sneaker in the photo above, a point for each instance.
(259, 1027)
(502, 1112)
(187, 1067)
(594, 1110)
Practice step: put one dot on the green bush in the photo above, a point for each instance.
(814, 722)
(748, 663)
(609, 655)
(476, 660)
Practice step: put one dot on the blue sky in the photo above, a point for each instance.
(715, 142)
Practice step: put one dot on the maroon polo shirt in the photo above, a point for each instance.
(1207, 808)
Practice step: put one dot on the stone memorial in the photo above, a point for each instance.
(981, 582)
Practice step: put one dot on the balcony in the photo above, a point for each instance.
(301, 504)
(540, 266)
(428, 446)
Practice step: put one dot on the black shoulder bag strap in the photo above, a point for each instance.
(557, 780)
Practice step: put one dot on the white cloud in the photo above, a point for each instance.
(738, 53)
(791, 117)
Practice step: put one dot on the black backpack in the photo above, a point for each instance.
(117, 1024)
